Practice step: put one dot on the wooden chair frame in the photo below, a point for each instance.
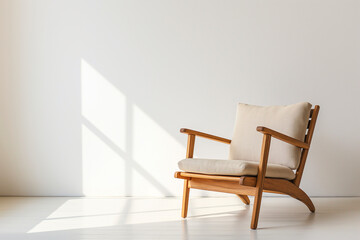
(243, 186)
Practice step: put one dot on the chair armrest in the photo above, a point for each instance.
(205, 135)
(282, 137)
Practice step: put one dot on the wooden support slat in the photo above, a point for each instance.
(180, 176)
(268, 182)
(221, 186)
(206, 176)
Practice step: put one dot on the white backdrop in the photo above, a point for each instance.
(93, 93)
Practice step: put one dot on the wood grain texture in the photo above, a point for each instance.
(221, 186)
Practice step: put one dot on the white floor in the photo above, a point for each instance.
(159, 218)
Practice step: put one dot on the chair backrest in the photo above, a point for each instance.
(308, 137)
(292, 120)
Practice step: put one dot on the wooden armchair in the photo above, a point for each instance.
(252, 183)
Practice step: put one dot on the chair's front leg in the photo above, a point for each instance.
(260, 180)
(186, 191)
(185, 200)
(256, 208)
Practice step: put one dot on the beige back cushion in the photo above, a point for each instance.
(290, 120)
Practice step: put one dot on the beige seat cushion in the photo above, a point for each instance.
(233, 168)
(291, 120)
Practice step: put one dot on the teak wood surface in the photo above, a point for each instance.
(244, 186)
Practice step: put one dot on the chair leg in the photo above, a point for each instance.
(244, 198)
(256, 209)
(260, 180)
(300, 195)
(185, 200)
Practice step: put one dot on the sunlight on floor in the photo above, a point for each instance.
(44, 218)
(102, 212)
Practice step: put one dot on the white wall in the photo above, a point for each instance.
(93, 93)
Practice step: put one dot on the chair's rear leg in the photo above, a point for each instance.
(244, 198)
(307, 201)
(185, 200)
(300, 195)
(256, 209)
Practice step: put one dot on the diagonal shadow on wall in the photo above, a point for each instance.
(108, 120)
(130, 163)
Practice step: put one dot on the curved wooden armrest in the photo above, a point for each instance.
(282, 137)
(205, 135)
